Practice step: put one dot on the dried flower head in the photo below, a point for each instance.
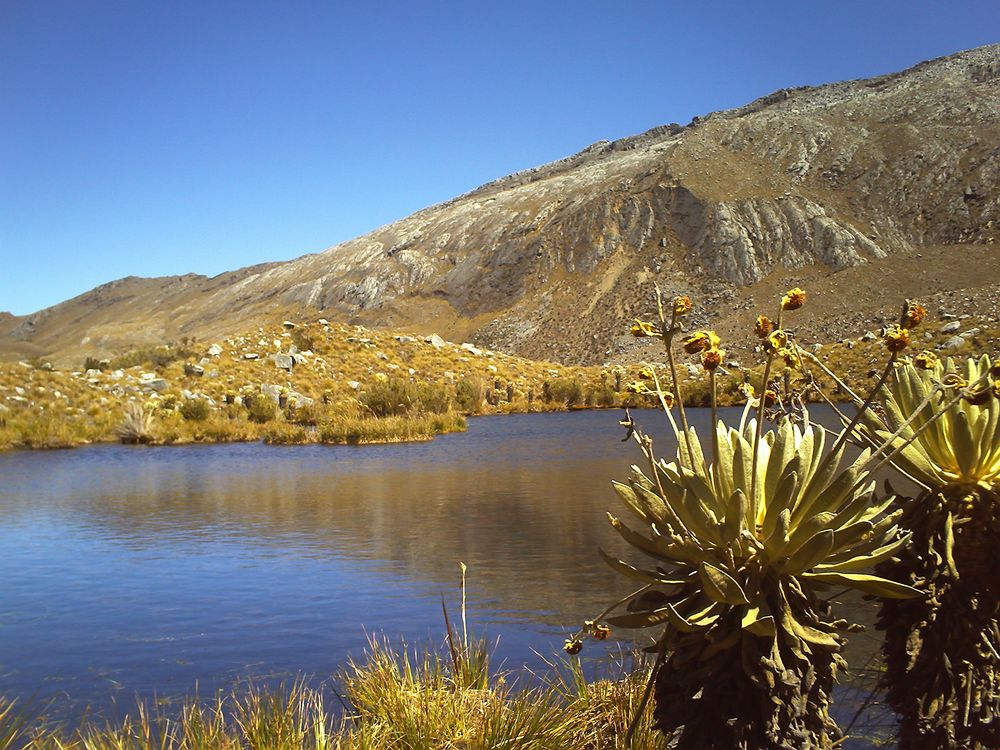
(770, 398)
(979, 397)
(682, 305)
(793, 299)
(668, 399)
(646, 373)
(711, 359)
(601, 632)
(926, 360)
(700, 341)
(763, 326)
(896, 338)
(995, 387)
(641, 329)
(573, 646)
(914, 315)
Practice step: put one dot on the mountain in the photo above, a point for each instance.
(867, 191)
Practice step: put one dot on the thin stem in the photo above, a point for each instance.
(760, 421)
(834, 377)
(660, 658)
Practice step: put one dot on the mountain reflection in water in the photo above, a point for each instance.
(138, 571)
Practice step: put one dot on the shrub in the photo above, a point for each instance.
(261, 410)
(396, 397)
(469, 394)
(568, 391)
(195, 410)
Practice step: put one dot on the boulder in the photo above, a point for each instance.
(194, 370)
(434, 340)
(251, 355)
(156, 384)
(288, 325)
(354, 385)
(214, 350)
(953, 343)
(472, 349)
(951, 327)
(284, 362)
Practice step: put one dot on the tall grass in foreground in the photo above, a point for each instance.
(395, 699)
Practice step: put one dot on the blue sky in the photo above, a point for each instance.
(153, 138)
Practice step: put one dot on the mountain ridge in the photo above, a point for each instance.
(551, 262)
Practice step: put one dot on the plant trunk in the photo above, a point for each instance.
(942, 668)
(759, 694)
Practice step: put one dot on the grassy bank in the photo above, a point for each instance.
(394, 700)
(321, 382)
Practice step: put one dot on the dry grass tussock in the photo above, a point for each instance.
(396, 699)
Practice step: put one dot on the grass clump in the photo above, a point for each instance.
(396, 397)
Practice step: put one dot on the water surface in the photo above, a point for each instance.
(132, 571)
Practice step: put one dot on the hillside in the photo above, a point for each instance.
(838, 187)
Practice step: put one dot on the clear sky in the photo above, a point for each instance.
(152, 138)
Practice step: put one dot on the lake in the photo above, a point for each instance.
(139, 572)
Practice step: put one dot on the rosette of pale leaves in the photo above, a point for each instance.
(942, 666)
(960, 445)
(740, 556)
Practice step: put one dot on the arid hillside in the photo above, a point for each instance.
(865, 191)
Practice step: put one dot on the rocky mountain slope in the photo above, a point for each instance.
(551, 263)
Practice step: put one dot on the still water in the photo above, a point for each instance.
(136, 572)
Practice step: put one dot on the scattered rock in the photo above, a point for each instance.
(434, 340)
(951, 327)
(214, 350)
(869, 336)
(288, 325)
(195, 370)
(354, 385)
(251, 355)
(472, 350)
(284, 362)
(953, 343)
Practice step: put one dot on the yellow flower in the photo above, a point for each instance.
(793, 299)
(776, 342)
(897, 339)
(573, 646)
(763, 326)
(770, 398)
(926, 360)
(747, 390)
(682, 305)
(641, 329)
(668, 399)
(700, 341)
(996, 388)
(646, 373)
(712, 358)
(914, 315)
(789, 356)
(636, 387)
